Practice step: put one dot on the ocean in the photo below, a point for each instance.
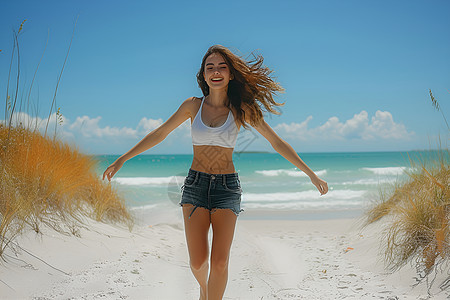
(273, 188)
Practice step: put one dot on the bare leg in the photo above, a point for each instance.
(223, 224)
(196, 230)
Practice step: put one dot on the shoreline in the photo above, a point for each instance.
(300, 215)
(270, 259)
(170, 212)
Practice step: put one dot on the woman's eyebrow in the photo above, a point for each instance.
(221, 63)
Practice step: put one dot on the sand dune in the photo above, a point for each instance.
(320, 259)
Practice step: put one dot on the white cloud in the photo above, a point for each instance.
(383, 125)
(85, 126)
(295, 127)
(90, 128)
(147, 125)
(27, 121)
(356, 126)
(380, 127)
(361, 132)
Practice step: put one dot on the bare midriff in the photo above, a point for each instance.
(213, 159)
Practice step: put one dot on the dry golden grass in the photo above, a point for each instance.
(420, 212)
(45, 181)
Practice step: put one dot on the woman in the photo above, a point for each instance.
(233, 92)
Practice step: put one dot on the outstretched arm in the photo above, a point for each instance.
(285, 150)
(153, 138)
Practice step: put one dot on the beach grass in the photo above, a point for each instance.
(44, 181)
(419, 211)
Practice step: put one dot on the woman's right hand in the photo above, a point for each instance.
(320, 184)
(112, 169)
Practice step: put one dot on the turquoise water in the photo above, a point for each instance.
(270, 183)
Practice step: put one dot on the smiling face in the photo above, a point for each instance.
(217, 73)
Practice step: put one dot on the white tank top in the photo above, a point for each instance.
(224, 135)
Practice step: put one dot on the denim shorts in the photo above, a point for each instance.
(212, 191)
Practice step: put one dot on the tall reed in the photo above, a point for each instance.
(44, 181)
(420, 213)
(419, 210)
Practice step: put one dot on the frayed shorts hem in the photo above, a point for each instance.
(212, 210)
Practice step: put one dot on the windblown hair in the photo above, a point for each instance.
(251, 84)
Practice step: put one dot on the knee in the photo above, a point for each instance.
(219, 264)
(199, 263)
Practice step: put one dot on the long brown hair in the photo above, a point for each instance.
(251, 84)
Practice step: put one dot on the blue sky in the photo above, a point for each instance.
(356, 73)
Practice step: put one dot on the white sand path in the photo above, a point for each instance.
(269, 260)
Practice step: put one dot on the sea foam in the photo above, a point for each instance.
(139, 181)
(288, 172)
(304, 195)
(387, 170)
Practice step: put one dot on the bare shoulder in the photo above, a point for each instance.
(190, 101)
(191, 105)
(193, 101)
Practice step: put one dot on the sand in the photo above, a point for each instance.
(270, 259)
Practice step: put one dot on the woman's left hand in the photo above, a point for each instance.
(320, 184)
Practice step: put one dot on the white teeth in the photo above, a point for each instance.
(216, 79)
